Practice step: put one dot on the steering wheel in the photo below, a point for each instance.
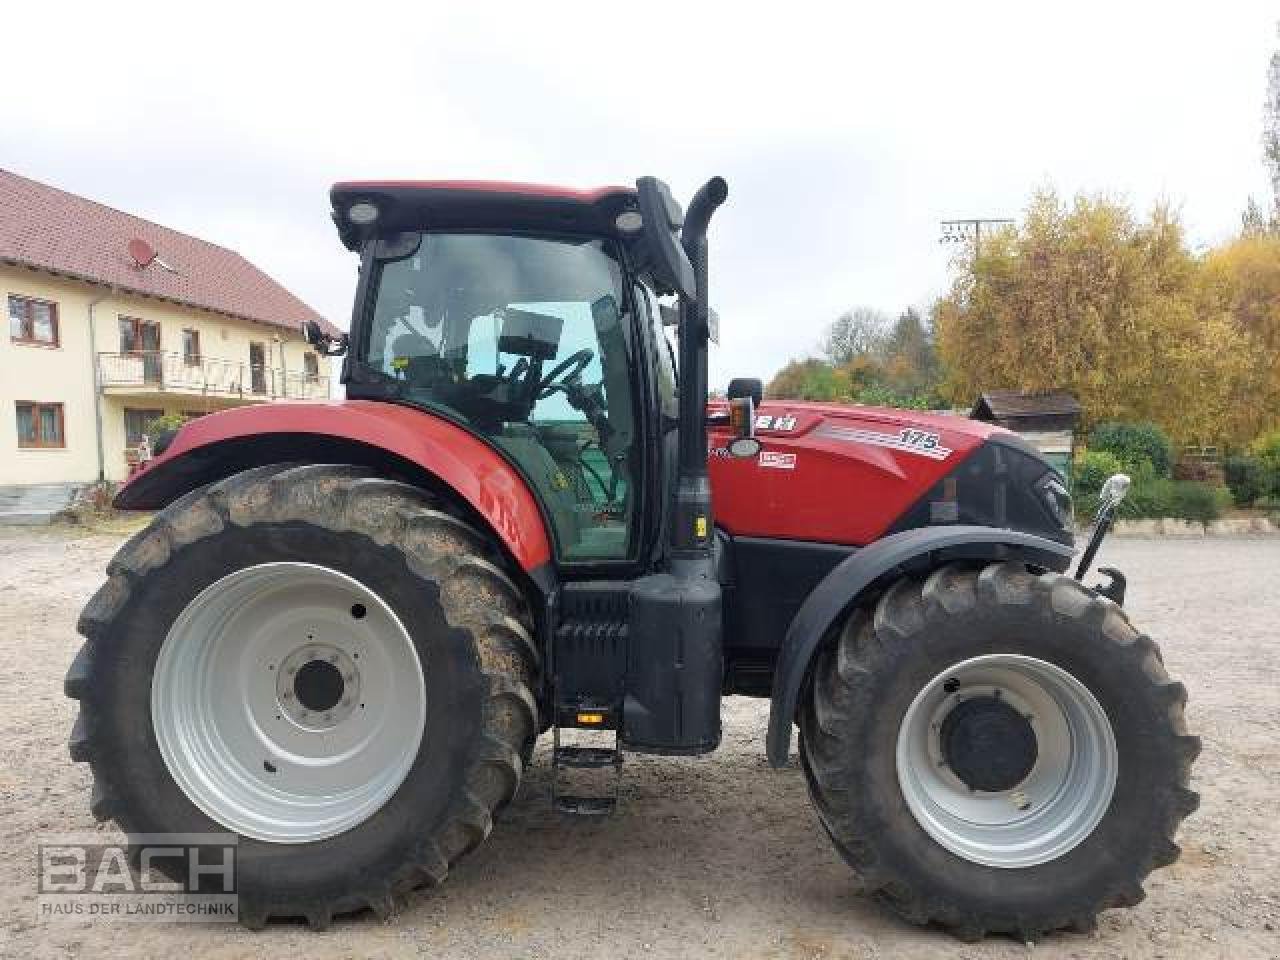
(566, 370)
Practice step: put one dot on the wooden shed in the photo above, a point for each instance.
(1046, 420)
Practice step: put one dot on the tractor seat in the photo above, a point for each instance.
(420, 361)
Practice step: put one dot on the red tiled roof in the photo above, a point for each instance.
(50, 229)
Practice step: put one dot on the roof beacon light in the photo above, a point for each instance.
(629, 221)
(362, 213)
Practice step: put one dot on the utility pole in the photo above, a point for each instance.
(958, 231)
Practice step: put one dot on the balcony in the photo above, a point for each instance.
(154, 372)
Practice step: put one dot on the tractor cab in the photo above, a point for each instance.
(529, 316)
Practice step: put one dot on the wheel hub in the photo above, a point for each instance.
(288, 702)
(1006, 760)
(988, 744)
(317, 685)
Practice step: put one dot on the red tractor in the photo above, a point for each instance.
(349, 622)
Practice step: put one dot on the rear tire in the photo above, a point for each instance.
(464, 623)
(861, 718)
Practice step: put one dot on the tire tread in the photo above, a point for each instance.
(437, 546)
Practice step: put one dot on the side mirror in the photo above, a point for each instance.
(742, 420)
(662, 221)
(746, 387)
(1113, 491)
(324, 344)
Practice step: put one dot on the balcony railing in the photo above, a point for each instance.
(156, 370)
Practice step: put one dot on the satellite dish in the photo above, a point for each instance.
(141, 251)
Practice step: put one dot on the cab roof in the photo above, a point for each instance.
(477, 204)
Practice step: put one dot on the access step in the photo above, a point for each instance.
(587, 758)
(574, 790)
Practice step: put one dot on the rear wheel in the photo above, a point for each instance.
(320, 662)
(996, 751)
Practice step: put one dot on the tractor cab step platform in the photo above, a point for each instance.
(585, 758)
(586, 772)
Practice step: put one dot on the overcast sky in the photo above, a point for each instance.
(845, 136)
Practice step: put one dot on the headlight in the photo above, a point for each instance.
(1057, 499)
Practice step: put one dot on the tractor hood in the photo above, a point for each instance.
(851, 474)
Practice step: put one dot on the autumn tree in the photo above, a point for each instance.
(1086, 298)
(809, 379)
(1241, 288)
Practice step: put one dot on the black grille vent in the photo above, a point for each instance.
(591, 643)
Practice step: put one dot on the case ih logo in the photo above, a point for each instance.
(921, 443)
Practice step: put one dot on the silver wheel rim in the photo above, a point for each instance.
(288, 702)
(1058, 803)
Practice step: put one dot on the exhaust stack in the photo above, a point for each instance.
(691, 520)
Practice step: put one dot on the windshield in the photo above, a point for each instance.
(524, 340)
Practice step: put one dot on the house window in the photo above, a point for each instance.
(135, 423)
(191, 347)
(311, 366)
(138, 335)
(40, 425)
(33, 321)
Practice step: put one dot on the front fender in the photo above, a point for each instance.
(840, 590)
(350, 431)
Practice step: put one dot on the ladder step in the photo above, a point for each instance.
(586, 806)
(587, 757)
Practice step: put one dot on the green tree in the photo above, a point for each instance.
(810, 379)
(868, 359)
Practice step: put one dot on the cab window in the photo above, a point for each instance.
(524, 340)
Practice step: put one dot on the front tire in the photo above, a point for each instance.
(382, 769)
(997, 752)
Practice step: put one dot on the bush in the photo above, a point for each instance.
(1150, 495)
(1247, 478)
(1267, 449)
(1198, 502)
(1091, 472)
(1133, 443)
(170, 421)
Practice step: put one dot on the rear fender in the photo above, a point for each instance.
(399, 439)
(864, 572)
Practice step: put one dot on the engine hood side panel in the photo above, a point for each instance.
(836, 474)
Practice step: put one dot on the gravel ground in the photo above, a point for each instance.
(714, 857)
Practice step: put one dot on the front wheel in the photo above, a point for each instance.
(997, 752)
